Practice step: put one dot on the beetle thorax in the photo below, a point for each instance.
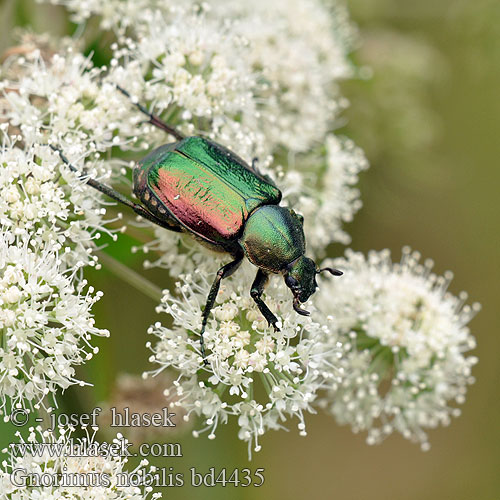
(273, 237)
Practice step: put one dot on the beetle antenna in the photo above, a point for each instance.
(298, 309)
(335, 272)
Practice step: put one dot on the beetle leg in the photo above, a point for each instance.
(153, 119)
(112, 193)
(222, 273)
(256, 292)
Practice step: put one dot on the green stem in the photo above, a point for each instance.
(131, 277)
(266, 383)
(220, 389)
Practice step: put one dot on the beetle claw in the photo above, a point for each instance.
(298, 309)
(273, 323)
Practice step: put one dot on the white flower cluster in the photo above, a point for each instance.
(45, 322)
(299, 50)
(260, 376)
(404, 343)
(61, 100)
(61, 471)
(46, 225)
(324, 190)
(48, 204)
(114, 14)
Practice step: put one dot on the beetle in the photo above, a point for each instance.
(199, 187)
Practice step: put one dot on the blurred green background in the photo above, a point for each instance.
(428, 120)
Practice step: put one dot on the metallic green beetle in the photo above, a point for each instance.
(199, 187)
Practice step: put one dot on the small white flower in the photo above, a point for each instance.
(265, 345)
(404, 341)
(241, 358)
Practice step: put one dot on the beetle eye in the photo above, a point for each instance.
(291, 282)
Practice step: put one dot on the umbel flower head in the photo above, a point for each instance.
(255, 374)
(69, 467)
(199, 75)
(45, 322)
(299, 50)
(48, 221)
(404, 345)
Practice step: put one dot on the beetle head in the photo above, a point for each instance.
(300, 277)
